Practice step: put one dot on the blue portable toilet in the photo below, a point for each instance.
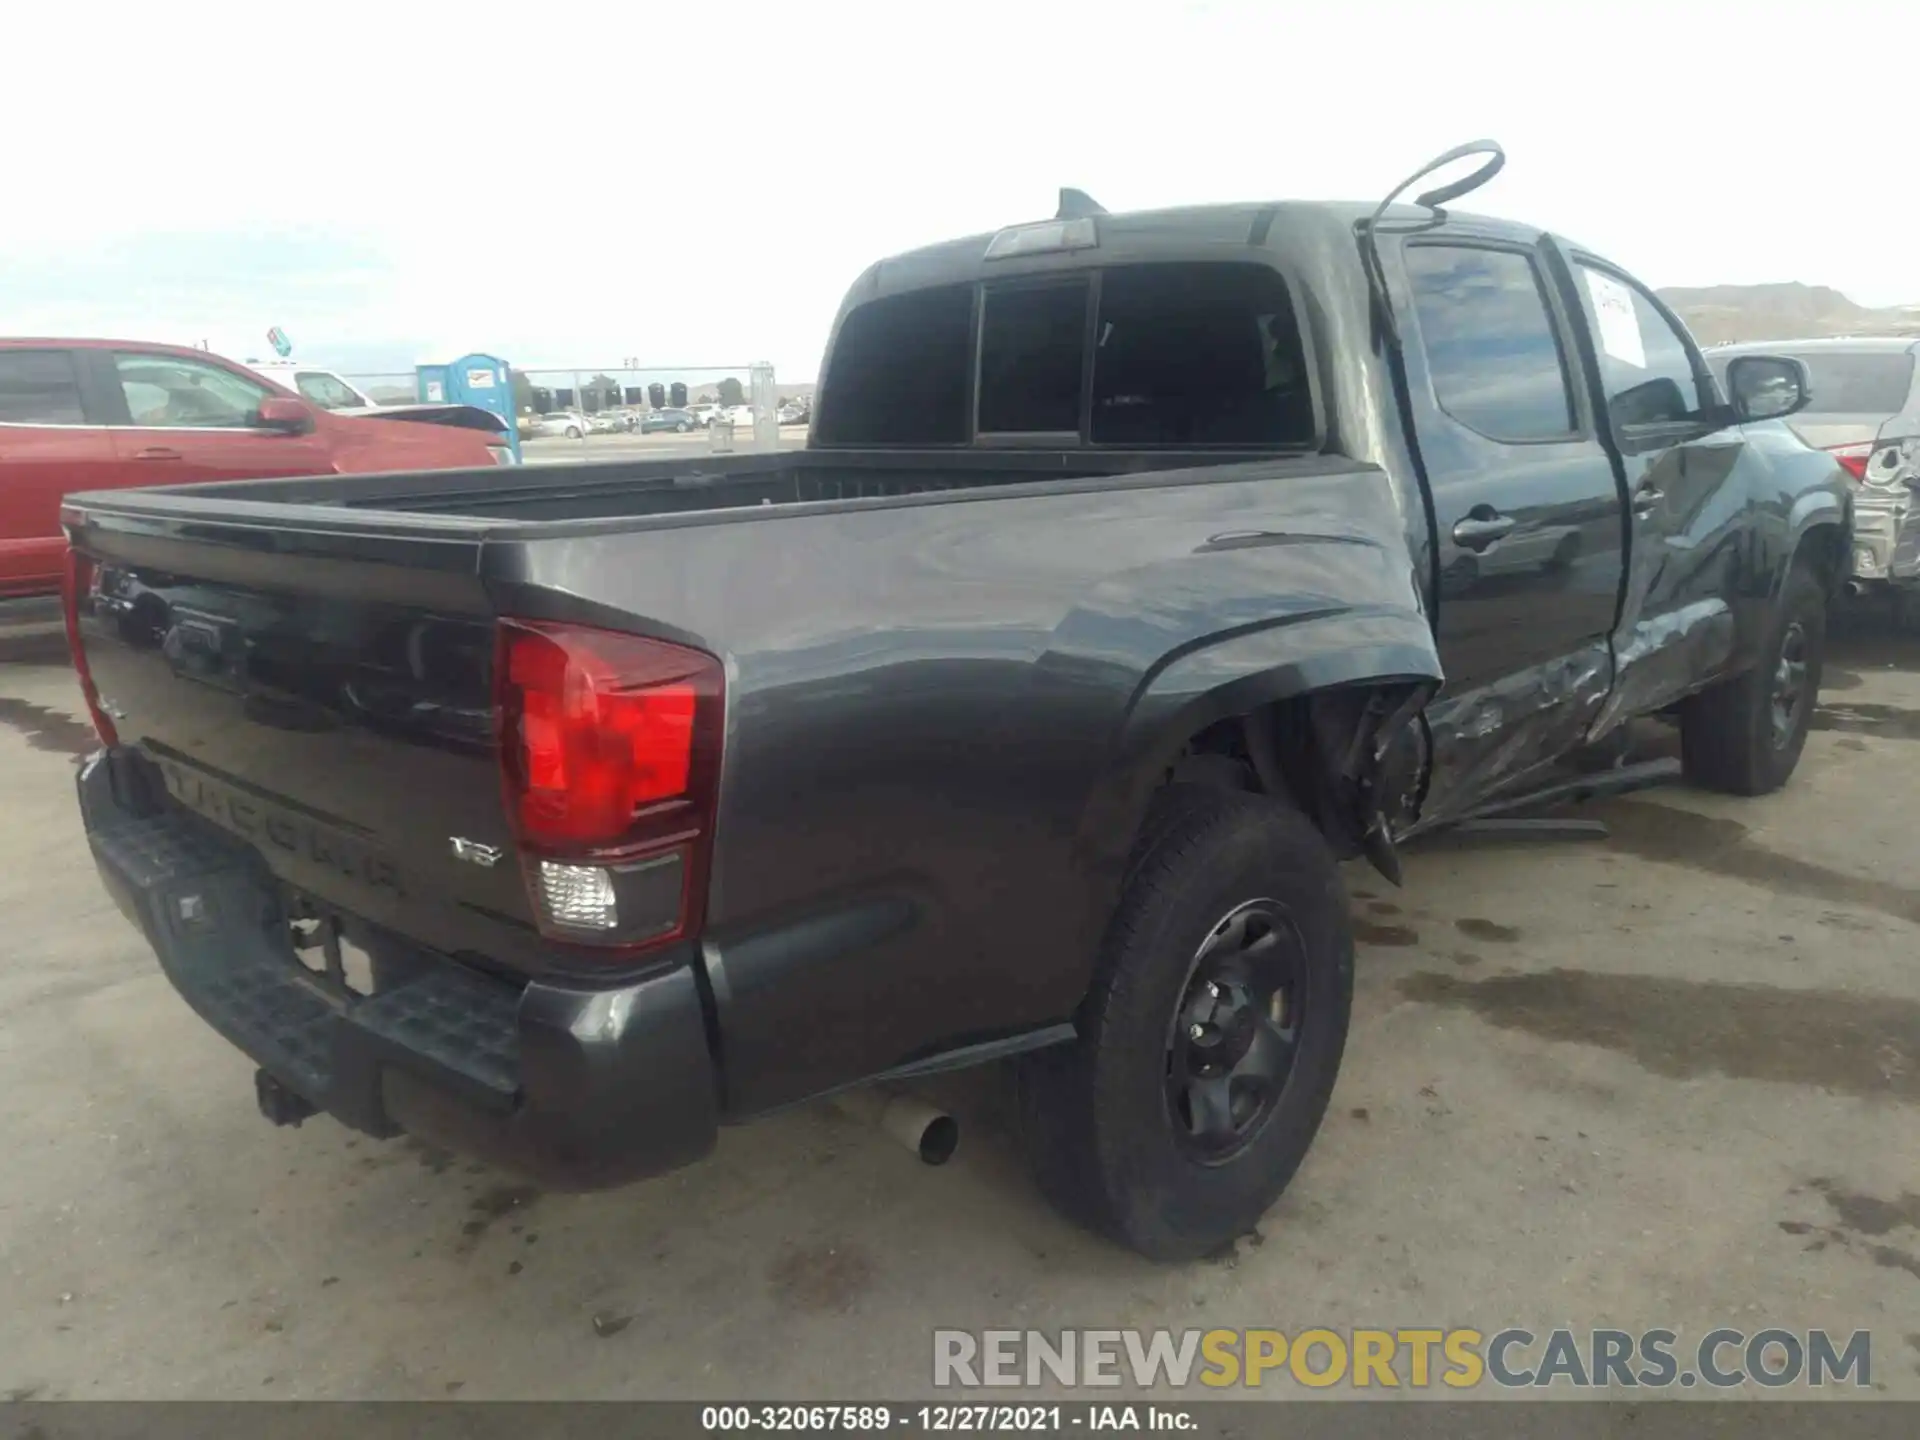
(482, 381)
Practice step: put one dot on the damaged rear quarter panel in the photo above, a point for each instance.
(1326, 597)
(944, 715)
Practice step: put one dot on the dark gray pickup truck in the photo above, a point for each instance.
(1139, 568)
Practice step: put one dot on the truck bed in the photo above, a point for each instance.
(616, 490)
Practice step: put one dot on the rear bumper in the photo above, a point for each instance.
(1886, 536)
(579, 1088)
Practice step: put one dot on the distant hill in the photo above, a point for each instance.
(1791, 311)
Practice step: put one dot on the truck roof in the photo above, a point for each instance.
(1240, 222)
(1139, 236)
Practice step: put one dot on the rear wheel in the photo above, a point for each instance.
(1745, 735)
(1211, 1036)
(683, 427)
(573, 432)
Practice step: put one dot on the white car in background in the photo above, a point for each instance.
(569, 423)
(328, 390)
(320, 387)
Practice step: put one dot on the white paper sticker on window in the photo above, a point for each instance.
(1616, 319)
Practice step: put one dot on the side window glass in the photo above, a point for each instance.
(1496, 364)
(1645, 368)
(325, 390)
(38, 387)
(169, 392)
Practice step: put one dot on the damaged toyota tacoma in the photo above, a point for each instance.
(1139, 569)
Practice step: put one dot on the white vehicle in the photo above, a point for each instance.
(740, 415)
(570, 423)
(321, 387)
(328, 390)
(704, 414)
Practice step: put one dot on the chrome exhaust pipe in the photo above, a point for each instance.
(929, 1132)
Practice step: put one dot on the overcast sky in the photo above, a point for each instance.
(698, 184)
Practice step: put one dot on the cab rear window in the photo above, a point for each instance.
(900, 372)
(1860, 384)
(1135, 356)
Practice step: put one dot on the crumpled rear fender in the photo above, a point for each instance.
(1251, 619)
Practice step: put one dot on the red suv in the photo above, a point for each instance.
(107, 415)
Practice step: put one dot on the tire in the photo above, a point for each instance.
(1734, 738)
(573, 432)
(1114, 1124)
(682, 427)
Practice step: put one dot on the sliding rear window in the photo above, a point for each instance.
(1033, 349)
(1178, 355)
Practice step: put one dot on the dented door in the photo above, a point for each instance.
(1687, 506)
(1527, 513)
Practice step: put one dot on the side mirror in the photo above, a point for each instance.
(1767, 387)
(1658, 401)
(283, 415)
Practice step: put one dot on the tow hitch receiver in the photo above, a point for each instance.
(279, 1104)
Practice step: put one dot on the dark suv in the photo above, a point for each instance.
(676, 420)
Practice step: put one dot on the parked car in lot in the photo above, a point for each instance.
(569, 423)
(679, 420)
(703, 413)
(795, 412)
(1026, 713)
(1864, 410)
(322, 387)
(102, 414)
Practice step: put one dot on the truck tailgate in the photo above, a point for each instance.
(327, 696)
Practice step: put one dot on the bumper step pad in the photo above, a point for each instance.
(211, 912)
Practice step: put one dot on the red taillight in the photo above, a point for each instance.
(76, 593)
(1854, 457)
(611, 748)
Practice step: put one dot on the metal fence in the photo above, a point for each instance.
(619, 397)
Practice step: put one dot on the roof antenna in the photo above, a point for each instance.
(1427, 200)
(1078, 205)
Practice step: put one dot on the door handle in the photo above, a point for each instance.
(157, 452)
(1646, 499)
(1477, 532)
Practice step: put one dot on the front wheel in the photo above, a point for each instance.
(1745, 735)
(573, 432)
(1210, 1037)
(682, 427)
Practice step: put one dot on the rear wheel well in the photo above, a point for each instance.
(1823, 549)
(1309, 751)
